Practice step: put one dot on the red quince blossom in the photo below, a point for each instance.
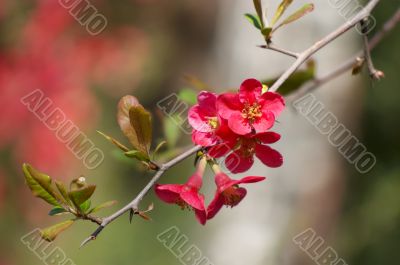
(186, 195)
(228, 192)
(238, 123)
(203, 117)
(250, 110)
(255, 145)
(208, 127)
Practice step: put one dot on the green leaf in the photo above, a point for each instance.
(279, 12)
(254, 19)
(57, 211)
(40, 185)
(63, 191)
(258, 8)
(102, 206)
(140, 120)
(124, 122)
(85, 206)
(296, 80)
(81, 195)
(138, 155)
(307, 8)
(188, 95)
(114, 141)
(50, 233)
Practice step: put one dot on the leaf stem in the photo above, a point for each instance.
(283, 51)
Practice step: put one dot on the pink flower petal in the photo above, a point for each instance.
(226, 134)
(238, 124)
(228, 103)
(215, 205)
(222, 179)
(204, 138)
(269, 156)
(195, 181)
(237, 163)
(168, 193)
(201, 216)
(198, 120)
(207, 102)
(245, 180)
(194, 199)
(272, 102)
(250, 91)
(219, 150)
(268, 137)
(264, 123)
(249, 179)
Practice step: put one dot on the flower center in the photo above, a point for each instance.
(231, 196)
(213, 122)
(183, 205)
(251, 112)
(248, 147)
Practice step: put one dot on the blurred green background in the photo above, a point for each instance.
(146, 50)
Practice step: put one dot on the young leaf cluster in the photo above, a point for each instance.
(74, 201)
(267, 28)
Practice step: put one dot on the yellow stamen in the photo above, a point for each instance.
(251, 112)
(213, 122)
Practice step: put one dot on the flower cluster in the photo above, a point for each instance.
(235, 126)
(187, 195)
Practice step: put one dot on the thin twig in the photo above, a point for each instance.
(374, 74)
(134, 204)
(92, 218)
(81, 216)
(389, 25)
(283, 51)
(303, 56)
